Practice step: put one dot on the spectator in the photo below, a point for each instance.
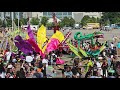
(29, 59)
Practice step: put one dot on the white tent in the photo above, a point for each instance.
(51, 20)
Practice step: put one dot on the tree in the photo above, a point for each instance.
(9, 21)
(49, 25)
(85, 20)
(72, 22)
(93, 20)
(16, 21)
(4, 23)
(61, 24)
(66, 21)
(44, 21)
(98, 20)
(23, 21)
(34, 21)
(0, 22)
(113, 17)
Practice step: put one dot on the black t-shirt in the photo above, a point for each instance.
(20, 74)
(37, 75)
(40, 64)
(2, 68)
(74, 70)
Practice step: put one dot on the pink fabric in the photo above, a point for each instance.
(60, 61)
(35, 46)
(52, 45)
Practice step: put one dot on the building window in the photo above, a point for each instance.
(45, 13)
(49, 13)
(69, 13)
(58, 13)
(64, 13)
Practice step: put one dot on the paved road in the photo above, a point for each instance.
(108, 35)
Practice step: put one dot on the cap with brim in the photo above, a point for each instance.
(9, 66)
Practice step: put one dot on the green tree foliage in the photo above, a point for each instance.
(86, 19)
(72, 22)
(61, 24)
(34, 21)
(16, 21)
(9, 22)
(0, 22)
(49, 24)
(44, 21)
(66, 21)
(23, 21)
(110, 18)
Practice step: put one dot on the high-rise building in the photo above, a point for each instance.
(3, 15)
(59, 15)
(27, 14)
(32, 14)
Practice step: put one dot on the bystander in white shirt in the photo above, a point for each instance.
(29, 59)
(45, 61)
(8, 55)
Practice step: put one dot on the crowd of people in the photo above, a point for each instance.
(19, 65)
(32, 65)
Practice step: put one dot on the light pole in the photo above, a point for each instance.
(12, 21)
(18, 20)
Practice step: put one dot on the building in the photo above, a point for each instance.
(37, 14)
(59, 15)
(3, 15)
(27, 14)
(32, 14)
(79, 15)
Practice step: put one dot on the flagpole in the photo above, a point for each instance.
(12, 21)
(18, 20)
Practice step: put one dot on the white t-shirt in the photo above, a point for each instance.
(104, 53)
(112, 45)
(98, 65)
(29, 59)
(2, 75)
(8, 55)
(45, 61)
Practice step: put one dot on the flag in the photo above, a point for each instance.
(53, 45)
(74, 49)
(103, 47)
(83, 52)
(27, 37)
(35, 47)
(41, 36)
(30, 33)
(23, 45)
(58, 35)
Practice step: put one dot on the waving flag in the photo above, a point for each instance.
(23, 45)
(83, 52)
(41, 36)
(27, 37)
(30, 33)
(53, 45)
(35, 47)
(58, 35)
(74, 49)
